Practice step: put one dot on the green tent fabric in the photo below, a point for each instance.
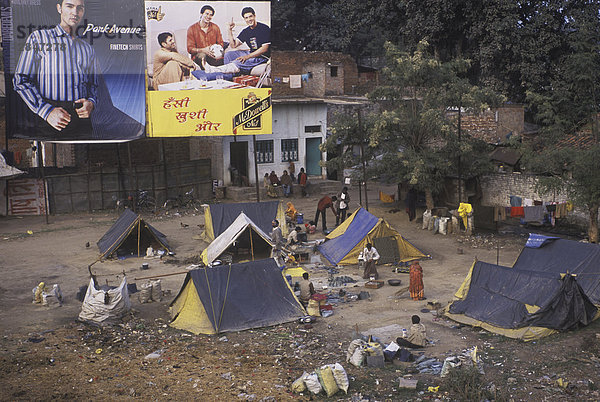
(131, 235)
(234, 297)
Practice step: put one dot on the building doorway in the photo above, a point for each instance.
(238, 161)
(313, 156)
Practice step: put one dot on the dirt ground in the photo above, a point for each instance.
(46, 354)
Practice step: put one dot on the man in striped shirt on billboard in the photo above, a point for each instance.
(56, 75)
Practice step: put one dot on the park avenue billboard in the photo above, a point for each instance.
(74, 69)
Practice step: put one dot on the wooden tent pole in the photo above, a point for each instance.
(161, 276)
(138, 242)
(251, 244)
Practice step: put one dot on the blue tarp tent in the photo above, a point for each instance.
(553, 285)
(130, 235)
(344, 244)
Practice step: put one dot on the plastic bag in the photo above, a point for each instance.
(298, 385)
(426, 219)
(312, 383)
(450, 362)
(436, 225)
(443, 229)
(313, 308)
(327, 380)
(356, 352)
(374, 349)
(341, 378)
(156, 290)
(431, 223)
(145, 295)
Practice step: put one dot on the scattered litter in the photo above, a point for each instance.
(407, 384)
(154, 355)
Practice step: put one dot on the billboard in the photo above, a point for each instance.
(209, 68)
(74, 69)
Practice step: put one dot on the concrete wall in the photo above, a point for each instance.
(289, 121)
(498, 186)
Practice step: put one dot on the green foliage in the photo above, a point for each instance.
(416, 99)
(569, 105)
(348, 132)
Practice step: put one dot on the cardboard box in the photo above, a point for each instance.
(248, 80)
(374, 284)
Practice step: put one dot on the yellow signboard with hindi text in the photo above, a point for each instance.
(244, 111)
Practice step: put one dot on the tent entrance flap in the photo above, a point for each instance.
(131, 236)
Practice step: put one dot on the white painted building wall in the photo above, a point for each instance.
(289, 121)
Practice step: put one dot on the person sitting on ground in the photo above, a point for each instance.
(291, 212)
(274, 179)
(306, 289)
(371, 256)
(286, 183)
(417, 335)
(293, 237)
(271, 192)
(311, 228)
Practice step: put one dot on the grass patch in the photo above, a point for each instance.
(467, 384)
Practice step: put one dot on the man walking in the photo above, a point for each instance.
(277, 239)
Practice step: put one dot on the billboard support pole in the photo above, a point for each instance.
(131, 179)
(40, 159)
(164, 158)
(255, 168)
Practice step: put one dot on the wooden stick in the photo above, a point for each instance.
(160, 276)
(251, 244)
(402, 291)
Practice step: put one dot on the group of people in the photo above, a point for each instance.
(285, 181)
(339, 206)
(208, 51)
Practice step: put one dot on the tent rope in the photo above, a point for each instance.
(224, 299)
(212, 306)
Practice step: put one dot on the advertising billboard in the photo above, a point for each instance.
(209, 68)
(74, 69)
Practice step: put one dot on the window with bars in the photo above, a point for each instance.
(312, 129)
(264, 151)
(289, 150)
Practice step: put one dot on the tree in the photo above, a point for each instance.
(349, 143)
(422, 143)
(570, 105)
